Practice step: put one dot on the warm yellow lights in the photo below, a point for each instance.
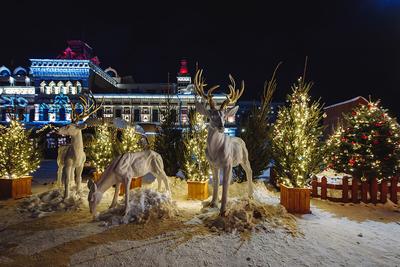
(296, 140)
(195, 141)
(18, 154)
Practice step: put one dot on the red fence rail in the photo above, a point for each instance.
(357, 191)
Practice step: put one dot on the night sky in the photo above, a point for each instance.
(353, 46)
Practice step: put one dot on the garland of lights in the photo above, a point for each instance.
(196, 164)
(368, 145)
(18, 155)
(296, 145)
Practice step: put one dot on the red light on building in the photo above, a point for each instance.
(183, 69)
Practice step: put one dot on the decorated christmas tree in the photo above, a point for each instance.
(296, 140)
(367, 145)
(102, 150)
(196, 165)
(18, 154)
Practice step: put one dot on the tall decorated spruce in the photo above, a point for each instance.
(256, 131)
(196, 165)
(168, 142)
(296, 139)
(367, 145)
(18, 154)
(102, 150)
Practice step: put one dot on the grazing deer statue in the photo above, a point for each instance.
(223, 152)
(72, 157)
(121, 170)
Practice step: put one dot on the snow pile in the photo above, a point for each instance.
(51, 201)
(179, 190)
(145, 205)
(245, 215)
(177, 185)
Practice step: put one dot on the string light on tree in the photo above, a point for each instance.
(296, 142)
(101, 152)
(195, 141)
(131, 140)
(18, 154)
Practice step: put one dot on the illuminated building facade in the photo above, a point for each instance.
(43, 94)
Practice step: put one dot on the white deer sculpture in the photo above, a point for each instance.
(223, 152)
(121, 170)
(71, 158)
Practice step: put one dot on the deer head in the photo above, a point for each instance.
(90, 106)
(216, 116)
(94, 197)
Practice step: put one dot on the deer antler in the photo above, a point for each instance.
(90, 106)
(199, 84)
(233, 95)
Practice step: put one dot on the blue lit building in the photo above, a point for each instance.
(43, 92)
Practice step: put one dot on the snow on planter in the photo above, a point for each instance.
(145, 204)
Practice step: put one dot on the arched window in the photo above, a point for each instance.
(20, 71)
(4, 71)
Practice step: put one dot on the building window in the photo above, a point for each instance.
(155, 115)
(118, 113)
(136, 115)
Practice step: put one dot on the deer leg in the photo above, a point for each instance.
(127, 183)
(59, 176)
(158, 171)
(225, 185)
(159, 183)
(215, 175)
(67, 176)
(116, 193)
(78, 177)
(249, 175)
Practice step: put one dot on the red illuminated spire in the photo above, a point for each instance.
(183, 69)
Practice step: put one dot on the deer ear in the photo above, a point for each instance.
(232, 111)
(202, 110)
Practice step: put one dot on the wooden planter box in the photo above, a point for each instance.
(16, 188)
(197, 190)
(135, 183)
(295, 200)
(96, 176)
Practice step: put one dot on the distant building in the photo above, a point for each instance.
(44, 93)
(334, 113)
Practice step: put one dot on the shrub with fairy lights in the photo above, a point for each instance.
(130, 140)
(102, 150)
(367, 145)
(18, 154)
(196, 165)
(296, 143)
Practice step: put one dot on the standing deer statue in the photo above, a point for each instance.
(121, 170)
(223, 152)
(72, 157)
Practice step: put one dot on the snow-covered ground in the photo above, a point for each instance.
(333, 235)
